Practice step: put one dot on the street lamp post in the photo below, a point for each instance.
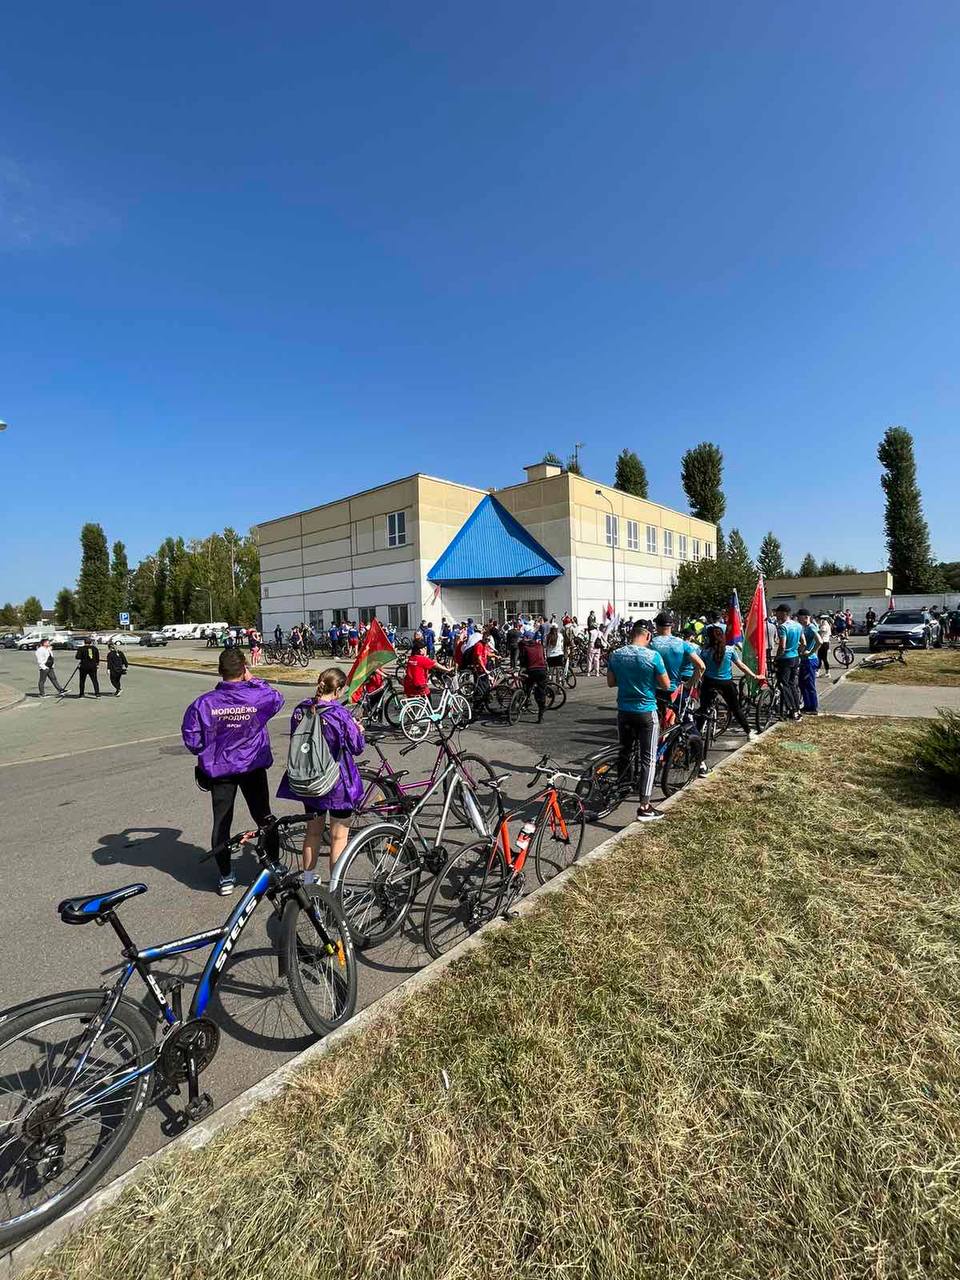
(209, 595)
(613, 550)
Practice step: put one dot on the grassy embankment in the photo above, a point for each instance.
(157, 658)
(732, 1049)
(920, 666)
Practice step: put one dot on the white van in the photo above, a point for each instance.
(179, 630)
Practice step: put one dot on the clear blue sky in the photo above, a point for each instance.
(254, 257)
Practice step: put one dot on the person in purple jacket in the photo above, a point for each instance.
(345, 739)
(227, 729)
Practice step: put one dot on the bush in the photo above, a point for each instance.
(938, 752)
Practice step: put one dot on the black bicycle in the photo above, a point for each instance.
(77, 1069)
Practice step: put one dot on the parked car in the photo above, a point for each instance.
(153, 639)
(8, 641)
(78, 642)
(29, 641)
(909, 628)
(124, 637)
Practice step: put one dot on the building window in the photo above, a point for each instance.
(340, 616)
(316, 619)
(708, 551)
(651, 539)
(397, 529)
(696, 548)
(668, 542)
(613, 531)
(681, 546)
(399, 616)
(633, 535)
(368, 615)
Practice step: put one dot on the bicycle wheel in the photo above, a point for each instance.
(392, 707)
(766, 709)
(458, 711)
(50, 1160)
(723, 718)
(570, 679)
(321, 965)
(303, 658)
(475, 770)
(681, 759)
(557, 845)
(380, 801)
(377, 882)
(599, 785)
(559, 696)
(415, 720)
(549, 696)
(517, 705)
(467, 895)
(843, 656)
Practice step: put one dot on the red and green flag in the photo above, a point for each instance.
(375, 652)
(755, 633)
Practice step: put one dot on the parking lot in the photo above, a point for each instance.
(100, 794)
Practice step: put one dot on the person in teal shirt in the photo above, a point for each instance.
(637, 672)
(809, 662)
(719, 659)
(789, 638)
(681, 658)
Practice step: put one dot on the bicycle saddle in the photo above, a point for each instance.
(83, 910)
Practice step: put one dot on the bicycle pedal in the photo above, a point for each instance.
(198, 1109)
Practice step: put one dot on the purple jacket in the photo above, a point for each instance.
(345, 739)
(227, 727)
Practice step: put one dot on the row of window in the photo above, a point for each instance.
(397, 614)
(701, 550)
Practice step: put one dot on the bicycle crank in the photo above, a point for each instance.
(198, 1040)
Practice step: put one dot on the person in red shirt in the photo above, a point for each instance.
(416, 680)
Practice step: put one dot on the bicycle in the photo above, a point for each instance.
(483, 880)
(421, 714)
(79, 1068)
(386, 795)
(876, 662)
(377, 877)
(843, 655)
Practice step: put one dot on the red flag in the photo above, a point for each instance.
(755, 633)
(608, 611)
(375, 652)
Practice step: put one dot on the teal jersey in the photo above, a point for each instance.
(790, 632)
(811, 638)
(722, 670)
(676, 657)
(636, 669)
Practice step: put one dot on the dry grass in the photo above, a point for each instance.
(730, 1050)
(290, 675)
(920, 666)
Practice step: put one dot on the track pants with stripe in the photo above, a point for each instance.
(641, 728)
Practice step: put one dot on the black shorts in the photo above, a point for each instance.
(557, 661)
(341, 814)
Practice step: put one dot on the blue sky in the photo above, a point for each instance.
(253, 258)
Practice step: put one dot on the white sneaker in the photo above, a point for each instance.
(752, 735)
(702, 771)
(227, 886)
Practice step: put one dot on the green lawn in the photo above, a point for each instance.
(920, 666)
(732, 1049)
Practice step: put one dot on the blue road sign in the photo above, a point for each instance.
(124, 619)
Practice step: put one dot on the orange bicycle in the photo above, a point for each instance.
(483, 880)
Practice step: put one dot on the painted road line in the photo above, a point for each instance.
(85, 751)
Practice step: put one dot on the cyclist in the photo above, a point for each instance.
(871, 618)
(416, 680)
(789, 634)
(345, 739)
(719, 659)
(683, 662)
(533, 664)
(809, 662)
(823, 653)
(637, 672)
(226, 728)
(554, 649)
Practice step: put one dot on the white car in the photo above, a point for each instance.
(124, 637)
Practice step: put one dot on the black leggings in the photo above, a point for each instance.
(255, 790)
(727, 690)
(823, 653)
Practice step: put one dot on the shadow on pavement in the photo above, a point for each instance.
(162, 848)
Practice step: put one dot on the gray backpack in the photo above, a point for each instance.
(312, 769)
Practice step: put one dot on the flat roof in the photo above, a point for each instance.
(362, 493)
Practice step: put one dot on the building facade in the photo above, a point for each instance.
(854, 591)
(427, 548)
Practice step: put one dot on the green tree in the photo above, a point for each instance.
(94, 597)
(573, 465)
(770, 557)
(9, 615)
(701, 470)
(808, 566)
(828, 567)
(739, 570)
(950, 571)
(908, 538)
(552, 459)
(631, 474)
(120, 579)
(31, 610)
(65, 607)
(700, 587)
(142, 592)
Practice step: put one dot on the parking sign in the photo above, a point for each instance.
(124, 619)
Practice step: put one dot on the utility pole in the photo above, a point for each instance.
(580, 444)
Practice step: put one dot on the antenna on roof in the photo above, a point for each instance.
(580, 444)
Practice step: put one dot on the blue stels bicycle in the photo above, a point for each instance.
(78, 1069)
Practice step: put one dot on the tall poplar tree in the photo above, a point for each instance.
(120, 579)
(701, 470)
(631, 474)
(908, 538)
(94, 592)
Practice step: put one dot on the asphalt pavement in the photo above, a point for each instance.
(99, 794)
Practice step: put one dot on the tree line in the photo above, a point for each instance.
(705, 584)
(215, 578)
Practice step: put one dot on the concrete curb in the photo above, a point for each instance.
(29, 1251)
(10, 697)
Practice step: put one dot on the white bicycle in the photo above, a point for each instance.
(449, 713)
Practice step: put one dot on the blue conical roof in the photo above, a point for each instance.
(493, 547)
